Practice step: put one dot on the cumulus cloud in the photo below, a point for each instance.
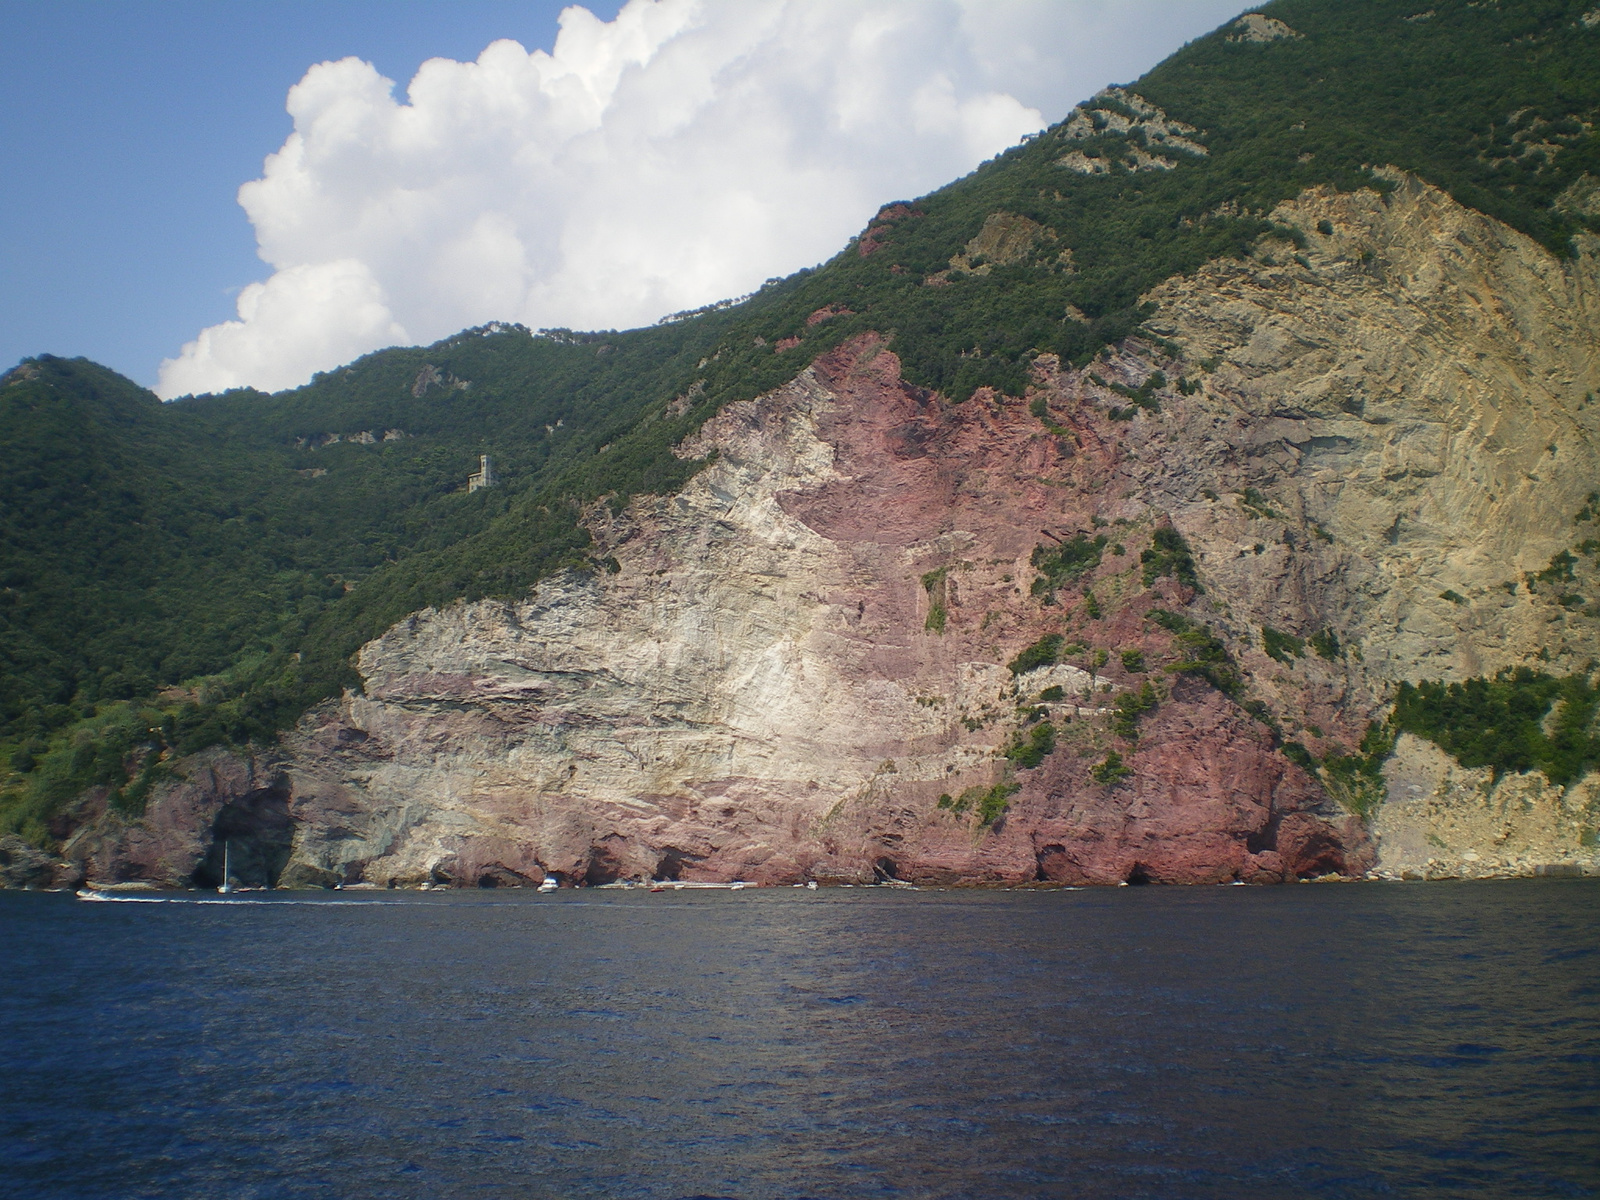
(677, 155)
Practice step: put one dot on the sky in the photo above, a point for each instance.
(204, 195)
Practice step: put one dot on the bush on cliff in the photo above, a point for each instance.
(1501, 723)
(1028, 750)
(1042, 653)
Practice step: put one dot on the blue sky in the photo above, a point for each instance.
(127, 129)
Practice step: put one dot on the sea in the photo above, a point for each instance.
(1333, 1040)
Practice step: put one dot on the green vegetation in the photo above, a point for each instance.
(1296, 753)
(1257, 504)
(218, 560)
(1203, 654)
(1130, 706)
(1169, 555)
(1030, 749)
(1133, 660)
(938, 598)
(1501, 723)
(991, 802)
(1562, 569)
(1284, 647)
(1356, 780)
(1110, 770)
(1143, 396)
(1043, 653)
(1326, 643)
(1062, 564)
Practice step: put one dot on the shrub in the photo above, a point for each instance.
(934, 583)
(1257, 503)
(1284, 647)
(991, 802)
(1110, 770)
(1028, 752)
(1130, 706)
(1169, 555)
(1560, 570)
(1300, 756)
(1060, 565)
(1133, 660)
(1204, 654)
(1500, 723)
(1326, 644)
(1356, 780)
(1042, 653)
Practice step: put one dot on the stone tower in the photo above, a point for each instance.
(483, 477)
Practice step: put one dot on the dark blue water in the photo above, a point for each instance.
(1333, 1041)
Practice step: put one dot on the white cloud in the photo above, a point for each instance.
(677, 155)
(319, 314)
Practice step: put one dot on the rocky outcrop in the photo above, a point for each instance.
(1253, 27)
(806, 664)
(23, 865)
(1444, 821)
(214, 800)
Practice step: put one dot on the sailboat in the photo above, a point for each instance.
(227, 888)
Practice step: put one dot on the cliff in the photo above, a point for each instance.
(1203, 562)
(1183, 495)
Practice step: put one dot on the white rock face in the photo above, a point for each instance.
(718, 681)
(1117, 111)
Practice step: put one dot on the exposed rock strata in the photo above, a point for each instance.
(765, 691)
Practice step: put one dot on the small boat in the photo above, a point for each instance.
(550, 884)
(227, 888)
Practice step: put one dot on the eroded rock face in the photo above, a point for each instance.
(1444, 821)
(23, 865)
(757, 693)
(178, 841)
(800, 669)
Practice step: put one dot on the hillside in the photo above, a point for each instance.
(222, 558)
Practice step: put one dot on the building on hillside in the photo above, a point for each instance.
(484, 476)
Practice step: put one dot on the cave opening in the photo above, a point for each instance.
(1265, 838)
(251, 840)
(1139, 876)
